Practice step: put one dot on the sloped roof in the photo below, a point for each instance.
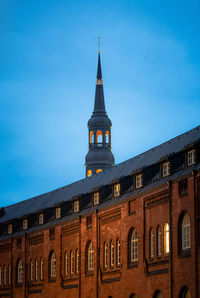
(106, 177)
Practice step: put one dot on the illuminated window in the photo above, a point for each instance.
(5, 276)
(151, 240)
(66, 263)
(118, 252)
(76, 206)
(191, 157)
(58, 212)
(107, 136)
(185, 293)
(158, 294)
(91, 137)
(77, 261)
(138, 181)
(20, 272)
(186, 232)
(116, 190)
(10, 229)
(53, 265)
(134, 246)
(105, 255)
(9, 274)
(91, 257)
(41, 218)
(25, 224)
(89, 173)
(99, 137)
(111, 253)
(96, 198)
(31, 270)
(36, 269)
(166, 169)
(158, 242)
(98, 171)
(71, 262)
(166, 238)
(41, 268)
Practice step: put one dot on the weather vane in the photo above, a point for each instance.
(99, 38)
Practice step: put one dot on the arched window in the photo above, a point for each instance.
(158, 294)
(5, 275)
(107, 137)
(71, 262)
(112, 253)
(133, 245)
(186, 232)
(90, 257)
(89, 173)
(158, 241)
(105, 255)
(99, 137)
(77, 261)
(9, 274)
(151, 246)
(98, 171)
(133, 296)
(185, 293)
(36, 269)
(31, 270)
(41, 268)
(166, 238)
(118, 252)
(53, 265)
(91, 137)
(66, 263)
(19, 271)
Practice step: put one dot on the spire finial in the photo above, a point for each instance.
(99, 38)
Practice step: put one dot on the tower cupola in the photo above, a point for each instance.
(99, 156)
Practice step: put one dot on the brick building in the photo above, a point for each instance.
(131, 230)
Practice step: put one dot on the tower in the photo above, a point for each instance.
(99, 156)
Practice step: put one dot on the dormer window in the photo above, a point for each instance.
(166, 169)
(58, 212)
(138, 181)
(41, 218)
(10, 229)
(76, 206)
(191, 157)
(25, 224)
(116, 190)
(96, 198)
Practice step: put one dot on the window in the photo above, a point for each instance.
(36, 269)
(107, 137)
(10, 229)
(77, 261)
(158, 294)
(151, 246)
(186, 232)
(76, 206)
(133, 246)
(191, 157)
(25, 224)
(90, 257)
(118, 252)
(41, 218)
(133, 296)
(105, 255)
(158, 241)
(66, 263)
(31, 270)
(52, 265)
(5, 276)
(71, 262)
(98, 171)
(89, 173)
(166, 169)
(183, 187)
(58, 212)
(96, 198)
(41, 269)
(138, 181)
(166, 238)
(116, 190)
(20, 272)
(99, 137)
(185, 293)
(9, 274)
(112, 253)
(91, 137)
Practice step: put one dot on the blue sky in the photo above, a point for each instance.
(151, 72)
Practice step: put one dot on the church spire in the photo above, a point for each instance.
(99, 104)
